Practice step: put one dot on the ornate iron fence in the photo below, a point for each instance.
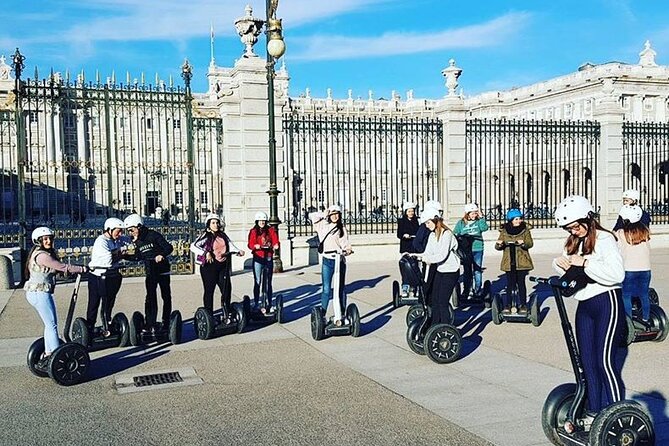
(646, 164)
(367, 165)
(85, 151)
(529, 164)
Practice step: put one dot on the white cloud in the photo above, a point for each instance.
(491, 33)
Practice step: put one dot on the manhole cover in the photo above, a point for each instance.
(137, 382)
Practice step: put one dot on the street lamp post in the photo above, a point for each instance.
(187, 75)
(275, 49)
(18, 64)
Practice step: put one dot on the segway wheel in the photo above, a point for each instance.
(535, 316)
(136, 325)
(554, 412)
(176, 324)
(495, 310)
(653, 297)
(629, 330)
(241, 316)
(119, 324)
(415, 311)
(659, 320)
(485, 293)
(279, 309)
(34, 354)
(396, 294)
(623, 423)
(80, 333)
(415, 344)
(317, 324)
(353, 316)
(443, 343)
(455, 295)
(451, 314)
(246, 302)
(69, 364)
(204, 323)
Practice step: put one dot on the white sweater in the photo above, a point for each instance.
(442, 252)
(106, 254)
(604, 266)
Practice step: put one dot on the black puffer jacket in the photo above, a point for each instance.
(150, 244)
(406, 226)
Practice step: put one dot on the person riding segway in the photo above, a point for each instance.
(152, 248)
(469, 232)
(407, 227)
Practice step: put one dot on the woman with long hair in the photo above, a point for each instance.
(41, 269)
(263, 241)
(591, 253)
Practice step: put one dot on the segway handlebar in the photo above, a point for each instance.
(552, 281)
(337, 251)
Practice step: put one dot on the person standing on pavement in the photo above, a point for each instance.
(600, 317)
(108, 250)
(262, 241)
(631, 197)
(333, 236)
(152, 248)
(213, 248)
(472, 225)
(443, 264)
(41, 269)
(634, 244)
(517, 232)
(407, 226)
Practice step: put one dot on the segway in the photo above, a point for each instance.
(441, 342)
(657, 327)
(69, 363)
(265, 311)
(531, 316)
(417, 309)
(339, 324)
(209, 325)
(108, 335)
(463, 293)
(400, 298)
(562, 418)
(161, 333)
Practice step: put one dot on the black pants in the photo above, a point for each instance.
(151, 302)
(213, 274)
(102, 289)
(440, 295)
(515, 280)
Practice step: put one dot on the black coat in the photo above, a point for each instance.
(150, 244)
(406, 226)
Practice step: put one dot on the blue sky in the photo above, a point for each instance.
(379, 45)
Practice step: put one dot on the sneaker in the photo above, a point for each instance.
(522, 309)
(405, 290)
(43, 365)
(587, 420)
(506, 310)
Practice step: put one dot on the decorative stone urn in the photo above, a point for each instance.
(451, 73)
(249, 28)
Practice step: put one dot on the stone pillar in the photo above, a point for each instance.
(242, 102)
(452, 184)
(610, 169)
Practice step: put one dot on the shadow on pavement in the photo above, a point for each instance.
(125, 359)
(656, 403)
(298, 302)
(378, 321)
(471, 322)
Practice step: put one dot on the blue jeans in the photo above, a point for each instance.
(636, 284)
(478, 273)
(258, 264)
(43, 303)
(327, 271)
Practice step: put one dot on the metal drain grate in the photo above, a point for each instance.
(157, 378)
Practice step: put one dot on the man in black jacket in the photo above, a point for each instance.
(152, 248)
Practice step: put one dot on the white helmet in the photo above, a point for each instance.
(334, 209)
(471, 207)
(40, 232)
(429, 214)
(211, 217)
(433, 204)
(632, 213)
(632, 194)
(408, 205)
(260, 215)
(133, 220)
(113, 223)
(571, 209)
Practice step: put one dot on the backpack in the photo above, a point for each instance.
(464, 250)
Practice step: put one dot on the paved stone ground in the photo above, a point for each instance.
(275, 385)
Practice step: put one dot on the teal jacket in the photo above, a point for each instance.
(475, 229)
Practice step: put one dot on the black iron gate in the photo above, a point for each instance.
(530, 165)
(367, 165)
(75, 152)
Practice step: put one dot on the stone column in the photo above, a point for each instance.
(609, 169)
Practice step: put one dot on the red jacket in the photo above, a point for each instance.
(270, 239)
